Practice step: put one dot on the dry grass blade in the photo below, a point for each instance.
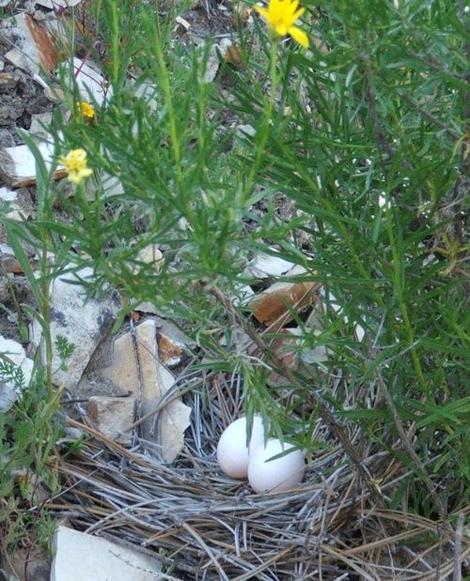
(207, 526)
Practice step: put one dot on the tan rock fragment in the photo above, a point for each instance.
(151, 254)
(135, 368)
(113, 416)
(170, 351)
(170, 426)
(277, 300)
(8, 260)
(290, 349)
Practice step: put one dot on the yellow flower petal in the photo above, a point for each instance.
(299, 36)
(281, 29)
(281, 15)
(298, 14)
(262, 11)
(75, 165)
(86, 110)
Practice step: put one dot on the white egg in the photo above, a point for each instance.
(232, 451)
(265, 475)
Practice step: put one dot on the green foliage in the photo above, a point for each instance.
(30, 429)
(64, 350)
(28, 435)
(368, 143)
(11, 373)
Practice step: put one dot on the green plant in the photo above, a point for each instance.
(366, 137)
(30, 429)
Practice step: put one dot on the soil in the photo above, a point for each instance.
(20, 98)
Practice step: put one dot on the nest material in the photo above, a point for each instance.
(203, 525)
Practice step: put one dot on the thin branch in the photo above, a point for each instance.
(430, 117)
(409, 449)
(458, 548)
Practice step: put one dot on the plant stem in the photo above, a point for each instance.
(267, 117)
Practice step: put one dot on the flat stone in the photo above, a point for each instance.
(54, 4)
(18, 164)
(113, 416)
(91, 84)
(34, 47)
(112, 186)
(266, 265)
(146, 91)
(83, 557)
(14, 353)
(244, 130)
(166, 428)
(39, 124)
(83, 323)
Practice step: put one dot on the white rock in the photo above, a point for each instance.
(360, 332)
(18, 164)
(34, 48)
(82, 557)
(7, 195)
(83, 323)
(90, 82)
(318, 354)
(54, 4)
(148, 308)
(18, 58)
(39, 123)
(12, 351)
(243, 293)
(183, 23)
(168, 426)
(112, 185)
(212, 65)
(246, 130)
(265, 265)
(146, 91)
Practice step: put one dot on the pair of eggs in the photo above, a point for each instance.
(270, 466)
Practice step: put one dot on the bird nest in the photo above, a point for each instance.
(204, 525)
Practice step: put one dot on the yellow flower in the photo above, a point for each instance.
(75, 164)
(281, 16)
(86, 109)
